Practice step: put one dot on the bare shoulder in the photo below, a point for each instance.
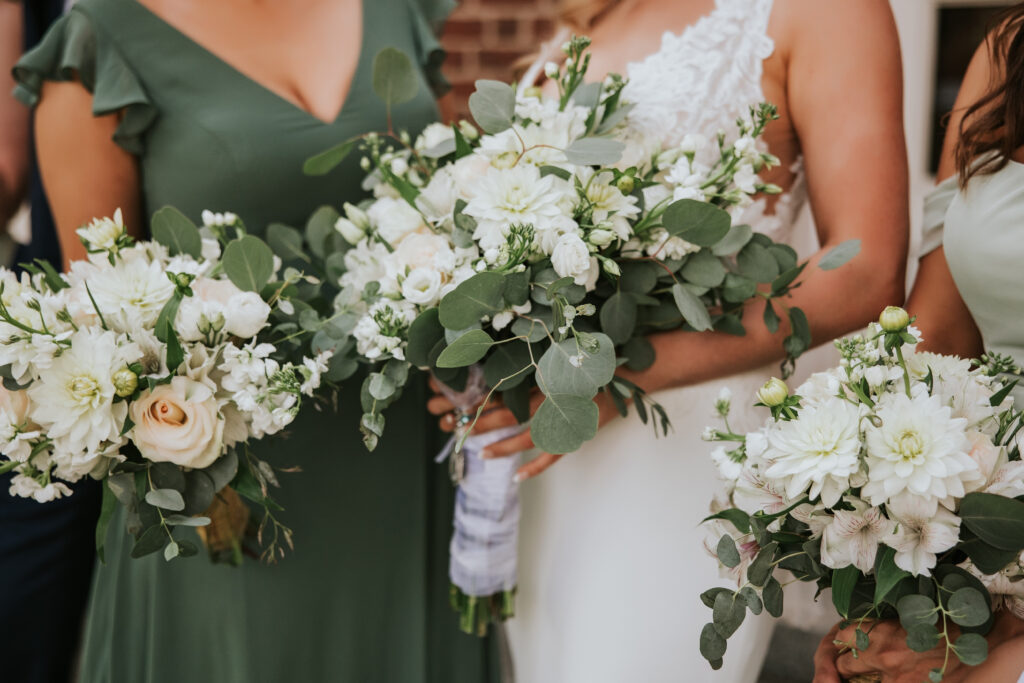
(863, 26)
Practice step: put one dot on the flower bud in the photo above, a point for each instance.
(551, 70)
(365, 163)
(349, 230)
(356, 215)
(894, 319)
(533, 92)
(468, 130)
(625, 184)
(183, 279)
(125, 382)
(773, 393)
(601, 237)
(399, 166)
(611, 267)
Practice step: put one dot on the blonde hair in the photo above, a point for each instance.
(581, 15)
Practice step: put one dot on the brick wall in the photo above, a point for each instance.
(484, 38)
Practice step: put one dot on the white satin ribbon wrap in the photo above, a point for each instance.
(486, 525)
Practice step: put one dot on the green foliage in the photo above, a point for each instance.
(473, 299)
(248, 262)
(326, 161)
(466, 350)
(594, 151)
(691, 308)
(394, 77)
(564, 422)
(492, 106)
(175, 231)
(839, 255)
(565, 368)
(696, 222)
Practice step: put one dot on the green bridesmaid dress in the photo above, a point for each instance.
(363, 597)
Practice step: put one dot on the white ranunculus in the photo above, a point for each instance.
(73, 398)
(103, 233)
(178, 423)
(919, 450)
(247, 314)
(853, 537)
(920, 533)
(394, 219)
(571, 258)
(422, 286)
(816, 453)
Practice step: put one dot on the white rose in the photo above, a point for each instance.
(178, 423)
(422, 286)
(246, 315)
(423, 250)
(394, 219)
(571, 258)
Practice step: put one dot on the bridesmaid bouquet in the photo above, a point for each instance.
(895, 479)
(146, 366)
(536, 254)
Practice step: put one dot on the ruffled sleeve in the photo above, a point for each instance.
(935, 206)
(73, 50)
(428, 18)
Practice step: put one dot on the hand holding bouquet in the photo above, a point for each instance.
(145, 366)
(895, 480)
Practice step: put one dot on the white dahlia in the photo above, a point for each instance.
(129, 294)
(918, 450)
(515, 196)
(817, 453)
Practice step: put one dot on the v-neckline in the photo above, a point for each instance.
(294, 104)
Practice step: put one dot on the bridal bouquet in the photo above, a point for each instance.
(537, 255)
(894, 479)
(145, 366)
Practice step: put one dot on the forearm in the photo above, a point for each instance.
(836, 302)
(14, 137)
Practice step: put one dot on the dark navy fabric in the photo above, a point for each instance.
(46, 550)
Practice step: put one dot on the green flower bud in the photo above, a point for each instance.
(773, 393)
(125, 382)
(468, 130)
(625, 184)
(533, 91)
(894, 319)
(611, 267)
(183, 279)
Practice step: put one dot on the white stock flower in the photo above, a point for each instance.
(394, 219)
(365, 263)
(853, 536)
(920, 533)
(918, 451)
(571, 258)
(746, 179)
(516, 196)
(816, 453)
(73, 399)
(381, 332)
(24, 486)
(729, 469)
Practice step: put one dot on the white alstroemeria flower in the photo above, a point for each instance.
(753, 493)
(609, 204)
(816, 517)
(73, 399)
(920, 533)
(1005, 587)
(394, 219)
(853, 536)
(515, 196)
(816, 453)
(919, 450)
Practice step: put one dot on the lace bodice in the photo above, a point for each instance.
(701, 80)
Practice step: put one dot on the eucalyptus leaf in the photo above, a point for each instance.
(728, 613)
(394, 77)
(565, 368)
(691, 308)
(712, 644)
(507, 365)
(639, 354)
(530, 328)
(152, 539)
(618, 317)
(184, 520)
(248, 262)
(734, 240)
(594, 151)
(752, 599)
(916, 610)
(466, 350)
(839, 255)
(320, 227)
(703, 269)
(761, 568)
(286, 242)
(564, 422)
(171, 551)
(167, 499)
(727, 553)
(175, 231)
(166, 475)
(971, 648)
(473, 299)
(757, 263)
(424, 333)
(968, 607)
(696, 222)
(326, 161)
(492, 106)
(772, 596)
(381, 386)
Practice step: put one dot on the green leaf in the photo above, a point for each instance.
(734, 240)
(887, 574)
(555, 171)
(988, 559)
(712, 644)
(968, 607)
(971, 648)
(175, 231)
(728, 613)
(381, 387)
(639, 354)
(696, 222)
(517, 400)
(757, 263)
(103, 523)
(639, 278)
(594, 151)
(771, 318)
(844, 580)
(248, 263)
(171, 551)
(424, 333)
(564, 422)
(492, 106)
(152, 539)
(320, 227)
(565, 368)
(531, 327)
(761, 568)
(839, 255)
(772, 595)
(996, 520)
(199, 492)
(478, 296)
(509, 360)
(738, 288)
(726, 551)
(517, 288)
(394, 77)
(703, 269)
(618, 317)
(753, 601)
(692, 308)
(738, 518)
(799, 339)
(324, 162)
(916, 610)
(922, 637)
(168, 499)
(466, 350)
(183, 520)
(286, 242)
(708, 597)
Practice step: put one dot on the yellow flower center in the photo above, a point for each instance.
(909, 445)
(83, 388)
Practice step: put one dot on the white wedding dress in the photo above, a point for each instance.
(611, 552)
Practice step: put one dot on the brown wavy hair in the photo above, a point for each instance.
(993, 127)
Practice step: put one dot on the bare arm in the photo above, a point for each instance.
(85, 173)
(13, 116)
(945, 322)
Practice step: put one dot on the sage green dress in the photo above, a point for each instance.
(363, 597)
